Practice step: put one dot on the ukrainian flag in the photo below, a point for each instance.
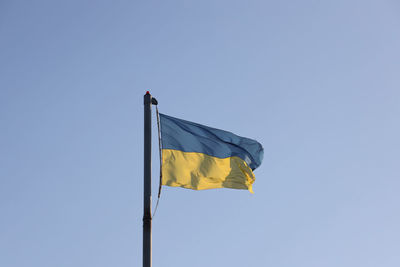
(198, 157)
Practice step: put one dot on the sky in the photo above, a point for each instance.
(315, 82)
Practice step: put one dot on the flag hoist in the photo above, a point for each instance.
(148, 101)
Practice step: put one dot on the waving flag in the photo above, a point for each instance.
(199, 157)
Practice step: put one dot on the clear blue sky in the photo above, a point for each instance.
(316, 82)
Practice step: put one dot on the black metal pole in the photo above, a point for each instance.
(147, 182)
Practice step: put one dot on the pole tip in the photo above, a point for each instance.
(147, 92)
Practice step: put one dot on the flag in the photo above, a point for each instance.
(199, 157)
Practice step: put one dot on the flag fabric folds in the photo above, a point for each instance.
(199, 157)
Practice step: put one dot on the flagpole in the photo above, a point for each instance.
(147, 182)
